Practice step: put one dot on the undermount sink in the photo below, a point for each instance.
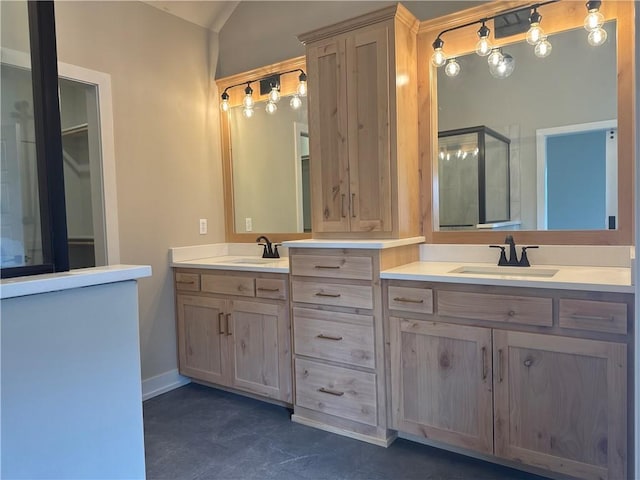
(505, 271)
(253, 260)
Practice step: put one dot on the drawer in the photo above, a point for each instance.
(188, 282)
(271, 288)
(228, 285)
(332, 266)
(496, 308)
(340, 337)
(607, 317)
(411, 299)
(337, 391)
(334, 294)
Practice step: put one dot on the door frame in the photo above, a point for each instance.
(108, 203)
(541, 165)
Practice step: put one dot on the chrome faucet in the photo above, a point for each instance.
(512, 261)
(270, 249)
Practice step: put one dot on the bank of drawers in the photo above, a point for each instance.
(335, 350)
(573, 313)
(229, 284)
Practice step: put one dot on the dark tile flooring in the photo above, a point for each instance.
(199, 433)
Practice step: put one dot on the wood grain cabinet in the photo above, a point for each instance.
(240, 340)
(363, 125)
(515, 381)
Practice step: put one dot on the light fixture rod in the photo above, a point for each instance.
(248, 83)
(505, 12)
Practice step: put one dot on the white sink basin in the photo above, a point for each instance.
(505, 271)
(253, 260)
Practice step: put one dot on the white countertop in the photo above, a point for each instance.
(226, 262)
(83, 277)
(604, 279)
(362, 244)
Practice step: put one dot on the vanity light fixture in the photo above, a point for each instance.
(273, 82)
(593, 24)
(535, 32)
(512, 22)
(483, 47)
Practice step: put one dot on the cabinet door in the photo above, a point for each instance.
(202, 344)
(368, 131)
(328, 136)
(560, 403)
(260, 348)
(441, 382)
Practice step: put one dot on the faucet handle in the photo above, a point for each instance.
(276, 254)
(524, 260)
(503, 256)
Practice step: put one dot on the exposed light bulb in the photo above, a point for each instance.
(543, 48)
(438, 59)
(247, 101)
(247, 112)
(495, 57)
(224, 105)
(271, 107)
(295, 102)
(593, 20)
(535, 32)
(274, 94)
(503, 69)
(597, 37)
(302, 85)
(453, 68)
(441, 155)
(483, 47)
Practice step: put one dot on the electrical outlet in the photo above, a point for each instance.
(248, 224)
(203, 226)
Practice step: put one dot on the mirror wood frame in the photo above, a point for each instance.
(288, 85)
(557, 17)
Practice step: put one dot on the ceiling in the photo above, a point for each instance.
(208, 14)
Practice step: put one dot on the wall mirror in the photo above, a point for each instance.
(266, 161)
(568, 117)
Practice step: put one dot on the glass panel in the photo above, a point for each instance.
(20, 228)
(496, 166)
(458, 181)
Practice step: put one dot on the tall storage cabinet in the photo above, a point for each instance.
(363, 126)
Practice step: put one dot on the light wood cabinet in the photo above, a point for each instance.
(544, 387)
(363, 125)
(234, 341)
(441, 382)
(560, 403)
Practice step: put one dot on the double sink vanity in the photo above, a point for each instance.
(395, 320)
(373, 339)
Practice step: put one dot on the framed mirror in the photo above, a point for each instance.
(266, 159)
(555, 111)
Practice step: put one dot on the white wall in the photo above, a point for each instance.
(71, 385)
(166, 143)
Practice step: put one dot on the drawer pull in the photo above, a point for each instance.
(407, 300)
(328, 337)
(500, 365)
(342, 198)
(220, 329)
(484, 363)
(183, 282)
(330, 295)
(229, 333)
(336, 393)
(353, 205)
(596, 318)
(327, 266)
(262, 289)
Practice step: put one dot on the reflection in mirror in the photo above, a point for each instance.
(559, 113)
(270, 169)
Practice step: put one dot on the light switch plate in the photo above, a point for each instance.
(203, 226)
(248, 224)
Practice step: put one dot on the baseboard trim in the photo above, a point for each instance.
(163, 383)
(381, 442)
